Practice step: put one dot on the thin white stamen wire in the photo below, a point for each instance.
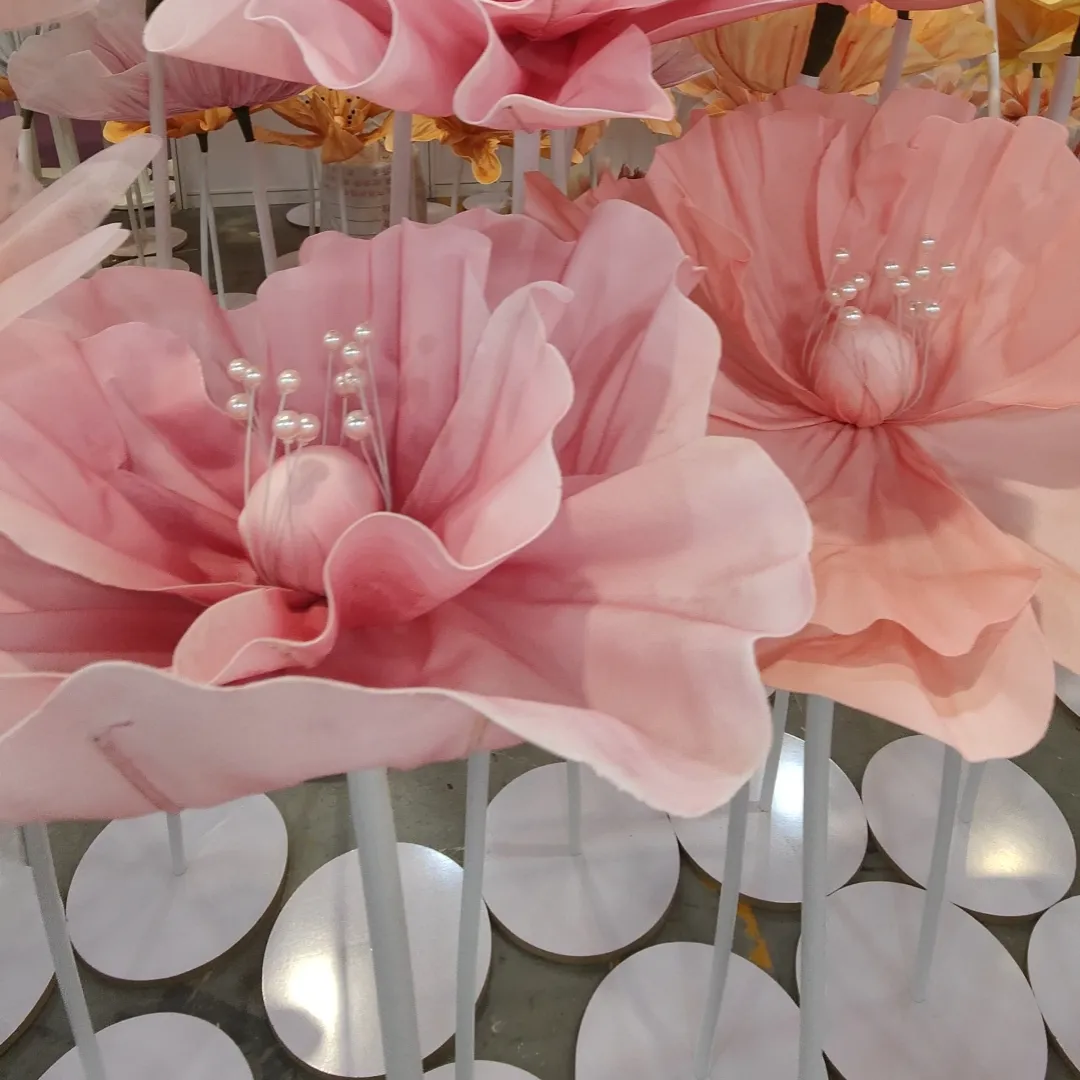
(249, 438)
(381, 449)
(331, 355)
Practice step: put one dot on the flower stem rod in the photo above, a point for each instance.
(257, 159)
(159, 127)
(781, 702)
(824, 34)
(401, 174)
(898, 48)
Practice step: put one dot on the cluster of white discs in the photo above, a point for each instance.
(843, 296)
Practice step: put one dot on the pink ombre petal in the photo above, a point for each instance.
(563, 217)
(54, 621)
(254, 634)
(893, 540)
(992, 702)
(525, 84)
(26, 14)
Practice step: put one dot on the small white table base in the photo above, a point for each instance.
(129, 249)
(979, 1020)
(318, 979)
(161, 1046)
(585, 906)
(301, 215)
(772, 872)
(482, 1070)
(234, 301)
(1054, 970)
(131, 918)
(26, 969)
(175, 263)
(1015, 859)
(643, 1021)
(1068, 688)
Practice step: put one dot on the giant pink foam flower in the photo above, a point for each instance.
(26, 14)
(554, 551)
(93, 67)
(49, 238)
(935, 447)
(504, 64)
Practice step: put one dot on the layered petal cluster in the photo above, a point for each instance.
(49, 238)
(93, 67)
(892, 286)
(503, 64)
(507, 523)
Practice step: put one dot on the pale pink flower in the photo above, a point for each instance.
(26, 14)
(555, 553)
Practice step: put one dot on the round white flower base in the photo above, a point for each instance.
(979, 1020)
(587, 906)
(1016, 858)
(318, 977)
(482, 1070)
(289, 260)
(234, 301)
(1068, 688)
(131, 918)
(1054, 971)
(174, 263)
(161, 1046)
(129, 249)
(26, 970)
(772, 871)
(643, 1021)
(301, 215)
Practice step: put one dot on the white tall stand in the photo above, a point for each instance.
(359, 971)
(774, 843)
(165, 1046)
(898, 47)
(693, 1011)
(260, 196)
(1013, 853)
(26, 968)
(526, 160)
(575, 868)
(401, 168)
(159, 127)
(1061, 99)
(162, 896)
(1054, 969)
(562, 148)
(913, 988)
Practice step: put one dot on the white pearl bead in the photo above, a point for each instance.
(237, 370)
(288, 382)
(851, 315)
(931, 309)
(343, 386)
(927, 242)
(332, 339)
(922, 272)
(892, 269)
(848, 291)
(357, 425)
(860, 281)
(915, 308)
(352, 352)
(362, 331)
(253, 378)
(842, 255)
(901, 286)
(239, 407)
(310, 428)
(286, 425)
(948, 268)
(835, 297)
(357, 379)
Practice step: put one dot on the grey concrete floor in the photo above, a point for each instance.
(530, 1013)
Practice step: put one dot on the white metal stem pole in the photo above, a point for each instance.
(376, 841)
(526, 160)
(401, 169)
(808, 80)
(309, 163)
(993, 61)
(724, 938)
(939, 873)
(472, 910)
(972, 782)
(573, 806)
(136, 232)
(813, 959)
(455, 191)
(1068, 67)
(175, 826)
(1035, 94)
(204, 217)
(898, 49)
(343, 209)
(781, 702)
(562, 145)
(159, 127)
(39, 855)
(257, 154)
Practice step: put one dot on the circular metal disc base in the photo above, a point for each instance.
(164, 1046)
(482, 1070)
(131, 918)
(234, 301)
(174, 263)
(643, 1021)
(772, 873)
(289, 260)
(301, 215)
(979, 1020)
(26, 969)
(1068, 688)
(128, 250)
(1054, 970)
(585, 906)
(1015, 859)
(318, 981)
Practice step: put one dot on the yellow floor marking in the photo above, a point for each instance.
(759, 951)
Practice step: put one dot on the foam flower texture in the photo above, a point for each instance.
(27, 14)
(503, 64)
(935, 448)
(49, 238)
(565, 557)
(757, 57)
(93, 67)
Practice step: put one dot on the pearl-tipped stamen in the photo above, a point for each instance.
(288, 382)
(842, 255)
(948, 268)
(901, 286)
(892, 269)
(927, 242)
(352, 353)
(237, 370)
(835, 297)
(310, 429)
(914, 307)
(357, 425)
(332, 339)
(362, 332)
(931, 309)
(239, 407)
(343, 384)
(848, 291)
(860, 281)
(923, 273)
(286, 426)
(253, 378)
(851, 315)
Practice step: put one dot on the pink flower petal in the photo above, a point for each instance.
(26, 14)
